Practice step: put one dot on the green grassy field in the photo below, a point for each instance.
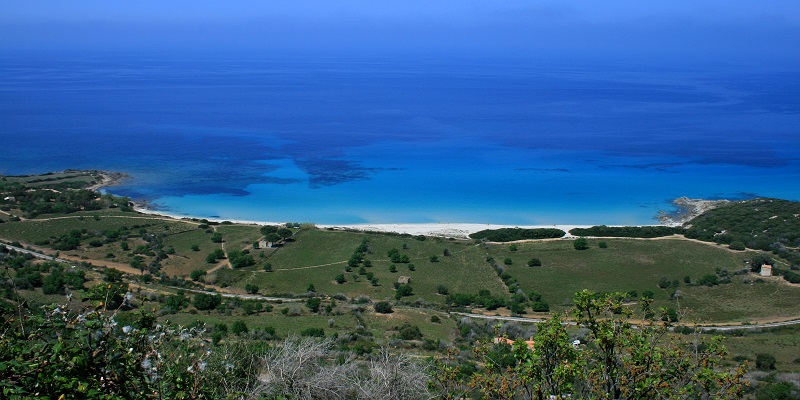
(783, 343)
(237, 237)
(40, 229)
(317, 257)
(639, 265)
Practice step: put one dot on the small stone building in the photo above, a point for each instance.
(766, 270)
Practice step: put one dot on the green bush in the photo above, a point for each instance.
(409, 332)
(383, 307)
(513, 234)
(534, 262)
(736, 246)
(251, 289)
(765, 361)
(580, 244)
(205, 302)
(239, 328)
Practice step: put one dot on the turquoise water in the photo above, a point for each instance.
(336, 141)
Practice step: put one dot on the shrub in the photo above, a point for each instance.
(581, 244)
(197, 274)
(313, 332)
(239, 328)
(670, 315)
(403, 291)
(340, 279)
(313, 304)
(540, 306)
(708, 280)
(409, 332)
(737, 245)
(204, 301)
(602, 245)
(534, 262)
(508, 261)
(250, 288)
(512, 234)
(765, 361)
(383, 307)
(664, 283)
(442, 289)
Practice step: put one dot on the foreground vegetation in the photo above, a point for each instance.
(97, 353)
(364, 300)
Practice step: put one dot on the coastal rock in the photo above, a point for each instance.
(687, 209)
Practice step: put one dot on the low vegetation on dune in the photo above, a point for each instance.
(128, 305)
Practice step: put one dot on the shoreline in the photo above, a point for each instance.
(446, 230)
(687, 209)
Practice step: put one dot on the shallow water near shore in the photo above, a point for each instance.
(336, 141)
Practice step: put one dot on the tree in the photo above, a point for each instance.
(313, 304)
(239, 327)
(197, 274)
(205, 302)
(642, 361)
(240, 259)
(267, 229)
(403, 291)
(284, 233)
(434, 259)
(176, 302)
(383, 307)
(508, 261)
(534, 262)
(581, 244)
(340, 279)
(216, 237)
(540, 306)
(664, 283)
(272, 237)
(250, 288)
(512, 247)
(54, 283)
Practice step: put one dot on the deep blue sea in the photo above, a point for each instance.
(412, 140)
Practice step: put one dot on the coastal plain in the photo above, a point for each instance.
(437, 262)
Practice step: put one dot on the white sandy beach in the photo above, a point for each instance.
(450, 230)
(454, 230)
